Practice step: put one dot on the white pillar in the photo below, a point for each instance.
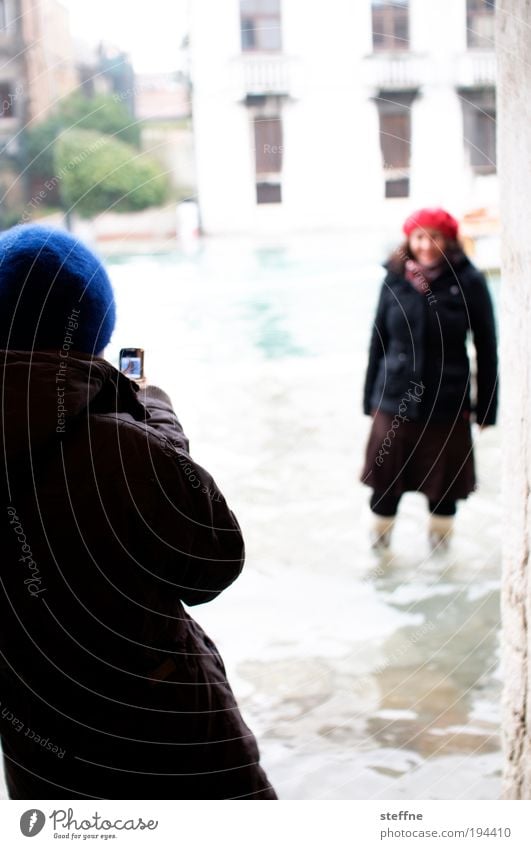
(514, 142)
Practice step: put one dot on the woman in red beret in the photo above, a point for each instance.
(418, 382)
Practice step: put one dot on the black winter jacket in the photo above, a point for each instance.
(109, 689)
(418, 363)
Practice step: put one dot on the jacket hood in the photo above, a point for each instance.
(43, 394)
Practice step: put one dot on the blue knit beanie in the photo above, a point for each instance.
(46, 277)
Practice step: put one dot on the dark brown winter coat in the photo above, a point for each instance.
(108, 687)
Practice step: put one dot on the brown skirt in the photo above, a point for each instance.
(435, 459)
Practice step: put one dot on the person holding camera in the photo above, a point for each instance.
(110, 528)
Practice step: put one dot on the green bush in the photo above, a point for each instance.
(95, 173)
(102, 113)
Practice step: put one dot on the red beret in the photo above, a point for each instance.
(432, 219)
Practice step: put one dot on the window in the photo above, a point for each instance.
(390, 25)
(479, 123)
(480, 23)
(268, 193)
(394, 110)
(268, 140)
(395, 138)
(7, 101)
(268, 158)
(260, 25)
(3, 15)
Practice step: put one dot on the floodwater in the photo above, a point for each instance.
(362, 676)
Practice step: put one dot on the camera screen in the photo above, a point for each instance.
(132, 366)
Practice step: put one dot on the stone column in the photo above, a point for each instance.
(514, 146)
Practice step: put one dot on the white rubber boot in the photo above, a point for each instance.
(381, 531)
(440, 531)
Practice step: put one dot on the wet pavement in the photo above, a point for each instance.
(363, 676)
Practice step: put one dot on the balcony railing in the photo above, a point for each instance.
(262, 74)
(393, 71)
(475, 69)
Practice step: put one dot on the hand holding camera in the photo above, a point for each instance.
(132, 365)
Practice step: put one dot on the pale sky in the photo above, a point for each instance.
(150, 32)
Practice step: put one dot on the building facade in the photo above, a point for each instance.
(13, 76)
(37, 68)
(37, 63)
(340, 114)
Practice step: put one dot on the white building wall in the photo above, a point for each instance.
(332, 167)
(331, 173)
(223, 156)
(438, 153)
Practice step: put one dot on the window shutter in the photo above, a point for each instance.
(268, 145)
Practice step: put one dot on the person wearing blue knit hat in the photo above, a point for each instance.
(44, 275)
(109, 688)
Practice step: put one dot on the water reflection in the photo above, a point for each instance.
(272, 336)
